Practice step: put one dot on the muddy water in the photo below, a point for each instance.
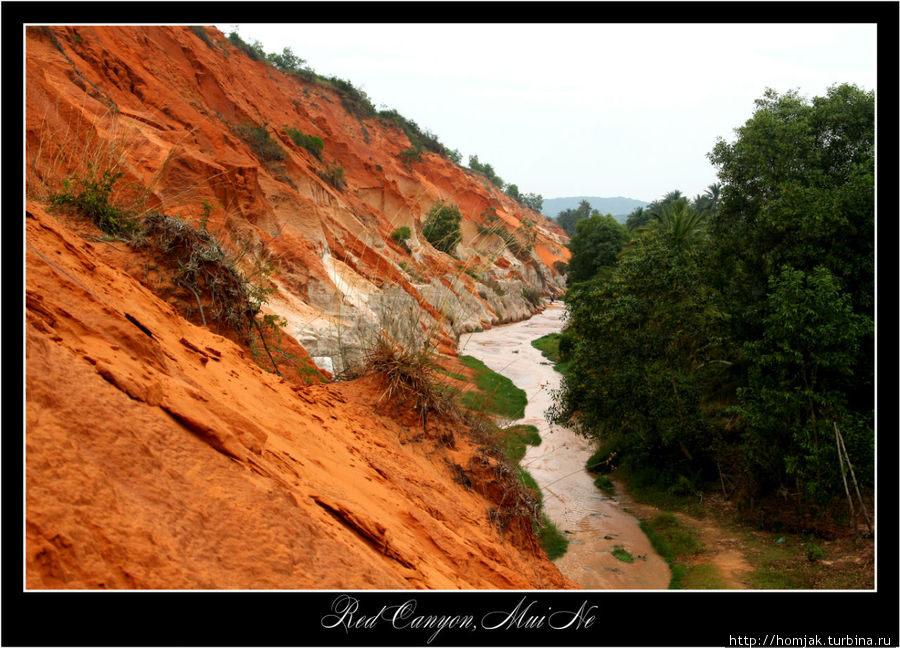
(594, 523)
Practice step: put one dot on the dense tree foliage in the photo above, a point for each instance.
(639, 217)
(799, 375)
(637, 363)
(732, 337)
(569, 217)
(595, 245)
(486, 170)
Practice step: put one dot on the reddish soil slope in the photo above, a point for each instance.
(158, 453)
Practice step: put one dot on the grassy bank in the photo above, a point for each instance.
(677, 543)
(549, 347)
(498, 396)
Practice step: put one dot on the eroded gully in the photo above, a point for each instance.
(594, 523)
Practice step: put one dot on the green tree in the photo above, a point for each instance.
(595, 245)
(441, 227)
(792, 245)
(642, 346)
(533, 201)
(798, 377)
(287, 61)
(680, 221)
(798, 191)
(637, 218)
(712, 193)
(569, 217)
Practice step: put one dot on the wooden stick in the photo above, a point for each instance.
(855, 483)
(837, 444)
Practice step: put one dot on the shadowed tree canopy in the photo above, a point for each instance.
(595, 245)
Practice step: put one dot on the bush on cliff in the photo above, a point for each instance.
(311, 143)
(261, 142)
(90, 197)
(333, 176)
(441, 227)
(253, 50)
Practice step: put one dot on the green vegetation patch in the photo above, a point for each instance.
(672, 540)
(605, 484)
(311, 143)
(554, 543)
(452, 374)
(90, 196)
(496, 394)
(531, 484)
(549, 347)
(514, 439)
(621, 554)
(334, 176)
(441, 227)
(703, 576)
(792, 561)
(261, 142)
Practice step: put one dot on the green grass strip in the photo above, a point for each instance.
(555, 544)
(671, 539)
(496, 393)
(549, 348)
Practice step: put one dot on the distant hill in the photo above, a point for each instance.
(619, 207)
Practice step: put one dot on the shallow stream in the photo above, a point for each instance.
(594, 523)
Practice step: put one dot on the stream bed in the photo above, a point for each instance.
(594, 523)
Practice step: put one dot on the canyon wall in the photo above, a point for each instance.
(174, 110)
(158, 453)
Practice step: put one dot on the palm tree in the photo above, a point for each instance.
(679, 221)
(638, 217)
(713, 192)
(672, 196)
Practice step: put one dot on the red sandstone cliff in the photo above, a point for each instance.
(171, 107)
(158, 453)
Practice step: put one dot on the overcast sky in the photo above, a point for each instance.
(582, 109)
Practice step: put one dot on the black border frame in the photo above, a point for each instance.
(295, 618)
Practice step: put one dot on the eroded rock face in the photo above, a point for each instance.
(174, 111)
(158, 453)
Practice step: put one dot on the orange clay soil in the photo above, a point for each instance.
(158, 455)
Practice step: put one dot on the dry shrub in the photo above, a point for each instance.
(409, 377)
(202, 266)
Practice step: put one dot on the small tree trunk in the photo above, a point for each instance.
(199, 305)
(266, 346)
(722, 480)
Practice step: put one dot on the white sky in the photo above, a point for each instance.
(581, 109)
